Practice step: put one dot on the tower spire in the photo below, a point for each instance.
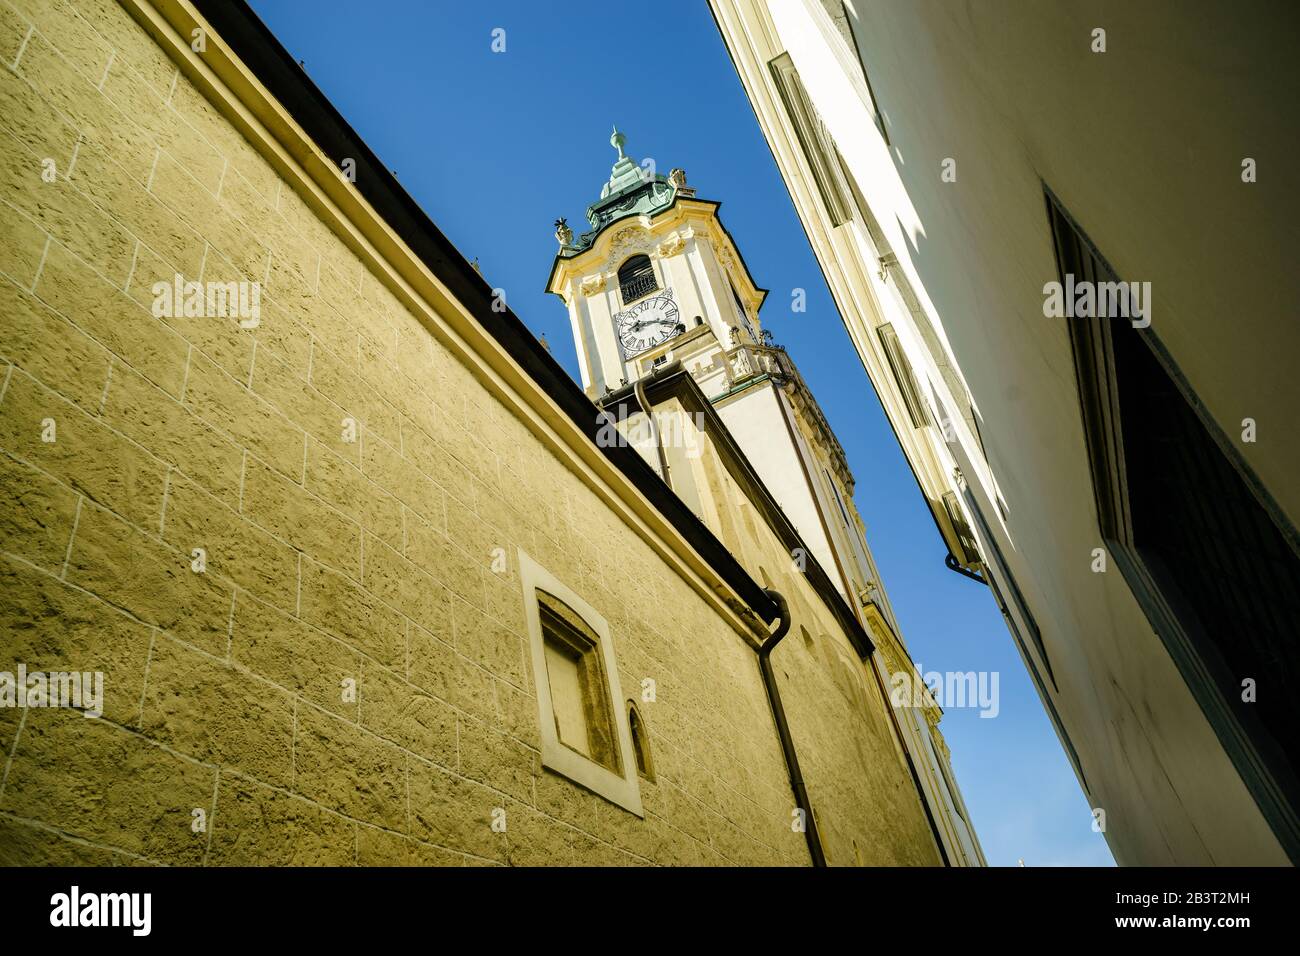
(625, 172)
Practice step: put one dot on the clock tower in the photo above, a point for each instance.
(655, 276)
(665, 319)
(658, 282)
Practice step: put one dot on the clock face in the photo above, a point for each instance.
(648, 323)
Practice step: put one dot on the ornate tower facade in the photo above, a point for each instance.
(657, 286)
(657, 280)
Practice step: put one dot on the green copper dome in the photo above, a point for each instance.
(631, 191)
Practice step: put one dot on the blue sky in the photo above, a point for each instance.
(496, 146)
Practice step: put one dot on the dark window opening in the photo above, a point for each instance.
(740, 310)
(636, 278)
(640, 742)
(1211, 559)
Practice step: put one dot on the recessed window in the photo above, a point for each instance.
(1210, 556)
(970, 550)
(742, 312)
(814, 137)
(584, 736)
(903, 375)
(579, 689)
(636, 278)
(640, 742)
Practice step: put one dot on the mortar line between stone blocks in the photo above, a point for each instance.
(185, 378)
(221, 180)
(171, 91)
(167, 484)
(5, 387)
(13, 749)
(22, 47)
(112, 55)
(76, 150)
(361, 695)
(230, 627)
(41, 265)
(130, 274)
(73, 838)
(67, 556)
(148, 183)
(212, 815)
(103, 396)
(144, 684)
(252, 365)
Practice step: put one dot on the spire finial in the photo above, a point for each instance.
(617, 141)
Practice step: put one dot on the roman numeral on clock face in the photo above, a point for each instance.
(647, 324)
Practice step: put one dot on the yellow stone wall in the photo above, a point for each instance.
(327, 561)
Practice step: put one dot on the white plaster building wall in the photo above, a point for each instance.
(584, 339)
(754, 420)
(704, 266)
(679, 277)
(1014, 94)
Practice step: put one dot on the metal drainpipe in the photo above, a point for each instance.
(639, 390)
(783, 728)
(953, 564)
(869, 662)
(769, 675)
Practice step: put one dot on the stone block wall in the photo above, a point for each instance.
(281, 544)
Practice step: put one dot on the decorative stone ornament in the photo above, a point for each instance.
(726, 259)
(563, 234)
(677, 179)
(670, 246)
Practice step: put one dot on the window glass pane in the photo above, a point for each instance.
(565, 677)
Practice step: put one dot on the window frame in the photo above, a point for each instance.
(641, 755)
(621, 788)
(1263, 767)
(818, 146)
(904, 376)
(649, 272)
